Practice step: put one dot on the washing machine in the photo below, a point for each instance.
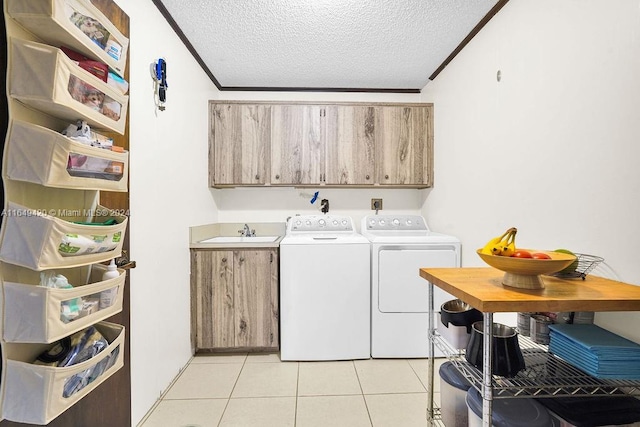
(400, 246)
(325, 290)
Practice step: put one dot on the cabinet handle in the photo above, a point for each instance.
(386, 177)
(257, 176)
(241, 259)
(366, 177)
(224, 260)
(277, 176)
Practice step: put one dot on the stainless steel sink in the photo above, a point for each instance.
(240, 239)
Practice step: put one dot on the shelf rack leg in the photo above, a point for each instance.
(487, 389)
(431, 361)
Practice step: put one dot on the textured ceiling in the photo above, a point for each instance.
(330, 44)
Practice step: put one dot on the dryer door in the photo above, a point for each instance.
(400, 287)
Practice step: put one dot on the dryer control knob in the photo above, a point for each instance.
(382, 222)
(345, 222)
(298, 222)
(335, 222)
(321, 222)
(396, 221)
(308, 223)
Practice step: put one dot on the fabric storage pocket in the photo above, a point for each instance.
(57, 86)
(39, 314)
(37, 240)
(42, 156)
(37, 394)
(76, 24)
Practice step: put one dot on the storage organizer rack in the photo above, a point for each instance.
(52, 220)
(546, 376)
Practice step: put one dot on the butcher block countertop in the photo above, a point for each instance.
(483, 289)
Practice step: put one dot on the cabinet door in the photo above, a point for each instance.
(212, 278)
(297, 144)
(239, 144)
(405, 145)
(256, 298)
(350, 144)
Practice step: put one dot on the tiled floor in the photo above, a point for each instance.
(260, 390)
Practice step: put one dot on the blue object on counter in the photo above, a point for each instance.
(315, 197)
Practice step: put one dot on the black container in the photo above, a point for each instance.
(459, 313)
(507, 357)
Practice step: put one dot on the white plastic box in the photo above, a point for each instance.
(59, 87)
(32, 313)
(456, 336)
(34, 394)
(453, 393)
(42, 156)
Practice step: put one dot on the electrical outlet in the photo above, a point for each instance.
(376, 204)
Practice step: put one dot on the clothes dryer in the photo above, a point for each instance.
(400, 246)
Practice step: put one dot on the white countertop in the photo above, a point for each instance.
(208, 231)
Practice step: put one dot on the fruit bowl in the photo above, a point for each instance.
(525, 273)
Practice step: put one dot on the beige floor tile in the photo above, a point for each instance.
(260, 412)
(393, 410)
(263, 358)
(193, 412)
(205, 380)
(421, 368)
(267, 380)
(219, 358)
(334, 411)
(387, 376)
(327, 378)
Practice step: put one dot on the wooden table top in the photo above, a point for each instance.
(483, 289)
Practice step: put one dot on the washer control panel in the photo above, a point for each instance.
(320, 224)
(395, 223)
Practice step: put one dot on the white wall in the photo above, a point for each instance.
(169, 193)
(551, 149)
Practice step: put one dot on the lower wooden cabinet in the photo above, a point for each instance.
(234, 299)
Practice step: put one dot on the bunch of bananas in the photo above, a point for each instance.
(504, 245)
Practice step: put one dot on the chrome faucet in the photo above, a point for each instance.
(247, 232)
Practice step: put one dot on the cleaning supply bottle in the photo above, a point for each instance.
(108, 296)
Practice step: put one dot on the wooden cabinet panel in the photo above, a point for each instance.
(239, 153)
(350, 144)
(405, 145)
(234, 299)
(214, 299)
(255, 315)
(297, 144)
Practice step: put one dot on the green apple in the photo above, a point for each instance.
(572, 267)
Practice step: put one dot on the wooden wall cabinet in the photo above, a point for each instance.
(297, 144)
(337, 145)
(234, 299)
(241, 153)
(405, 145)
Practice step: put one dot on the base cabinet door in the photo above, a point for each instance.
(234, 299)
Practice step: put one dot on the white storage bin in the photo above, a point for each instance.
(76, 24)
(39, 241)
(456, 336)
(453, 394)
(42, 156)
(34, 314)
(59, 87)
(35, 394)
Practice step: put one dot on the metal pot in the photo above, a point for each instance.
(459, 313)
(507, 357)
